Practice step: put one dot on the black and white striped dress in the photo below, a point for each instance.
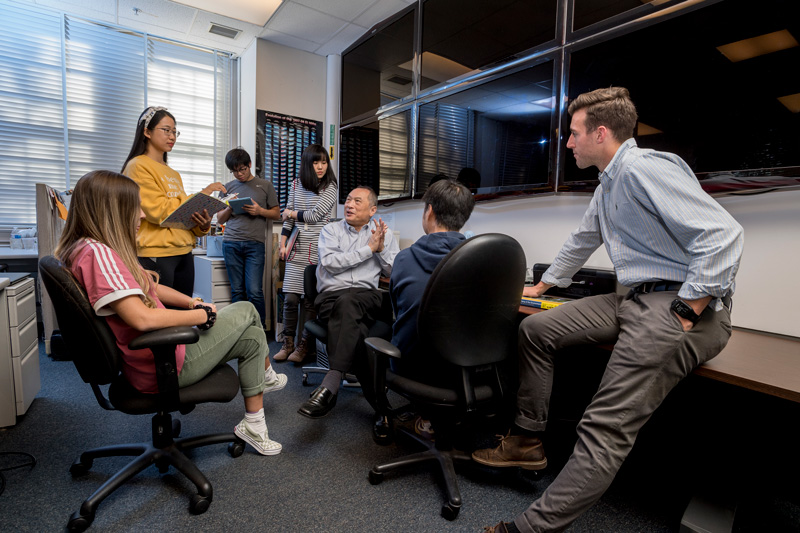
(317, 210)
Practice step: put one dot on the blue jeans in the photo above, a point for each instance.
(244, 261)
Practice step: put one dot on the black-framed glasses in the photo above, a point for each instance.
(240, 170)
(169, 132)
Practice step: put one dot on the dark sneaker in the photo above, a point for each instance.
(514, 450)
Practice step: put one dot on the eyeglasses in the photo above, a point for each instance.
(169, 132)
(240, 170)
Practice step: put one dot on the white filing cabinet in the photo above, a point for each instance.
(20, 347)
(211, 280)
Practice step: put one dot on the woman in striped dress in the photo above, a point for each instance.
(311, 200)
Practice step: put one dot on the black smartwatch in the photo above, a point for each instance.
(684, 310)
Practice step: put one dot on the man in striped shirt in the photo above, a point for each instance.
(678, 249)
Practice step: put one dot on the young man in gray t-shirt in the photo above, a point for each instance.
(243, 245)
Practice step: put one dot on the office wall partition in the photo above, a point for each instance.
(491, 83)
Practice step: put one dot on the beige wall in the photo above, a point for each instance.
(767, 292)
(290, 81)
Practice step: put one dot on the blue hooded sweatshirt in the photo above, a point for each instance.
(410, 273)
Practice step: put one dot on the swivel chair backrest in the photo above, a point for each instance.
(470, 307)
(91, 342)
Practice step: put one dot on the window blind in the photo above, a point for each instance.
(66, 109)
(446, 134)
(31, 110)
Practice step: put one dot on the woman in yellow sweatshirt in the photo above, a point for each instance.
(167, 251)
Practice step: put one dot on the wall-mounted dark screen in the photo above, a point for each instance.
(459, 36)
(717, 86)
(377, 154)
(379, 70)
(501, 128)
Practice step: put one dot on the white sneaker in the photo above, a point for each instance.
(273, 381)
(261, 443)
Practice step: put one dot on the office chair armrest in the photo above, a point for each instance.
(383, 346)
(162, 342)
(165, 337)
(378, 352)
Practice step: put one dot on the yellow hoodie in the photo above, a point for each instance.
(161, 191)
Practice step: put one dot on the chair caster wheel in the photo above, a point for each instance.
(450, 512)
(305, 379)
(80, 468)
(78, 523)
(236, 449)
(375, 477)
(162, 465)
(176, 428)
(199, 504)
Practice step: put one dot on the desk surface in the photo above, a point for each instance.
(758, 361)
(7, 252)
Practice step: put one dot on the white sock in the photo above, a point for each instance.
(256, 421)
(270, 375)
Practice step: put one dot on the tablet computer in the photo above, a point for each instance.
(237, 204)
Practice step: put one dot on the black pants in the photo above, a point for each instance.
(175, 271)
(349, 314)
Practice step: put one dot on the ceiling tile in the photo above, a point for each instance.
(379, 11)
(289, 40)
(343, 9)
(157, 13)
(306, 23)
(342, 40)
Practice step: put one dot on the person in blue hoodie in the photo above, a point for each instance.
(448, 205)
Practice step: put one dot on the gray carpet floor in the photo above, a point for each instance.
(317, 484)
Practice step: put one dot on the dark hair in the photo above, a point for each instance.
(611, 107)
(451, 202)
(308, 178)
(438, 177)
(236, 158)
(470, 177)
(139, 140)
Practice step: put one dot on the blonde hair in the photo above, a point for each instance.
(105, 207)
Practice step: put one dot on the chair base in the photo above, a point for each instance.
(163, 453)
(446, 459)
(349, 381)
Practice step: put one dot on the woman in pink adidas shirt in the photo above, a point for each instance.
(98, 245)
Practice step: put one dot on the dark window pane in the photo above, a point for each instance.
(730, 118)
(379, 70)
(501, 128)
(588, 12)
(377, 155)
(462, 35)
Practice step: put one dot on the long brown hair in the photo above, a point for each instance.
(105, 207)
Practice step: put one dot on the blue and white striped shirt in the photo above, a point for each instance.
(657, 224)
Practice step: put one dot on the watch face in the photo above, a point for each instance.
(684, 310)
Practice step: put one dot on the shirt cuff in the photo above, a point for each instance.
(300, 215)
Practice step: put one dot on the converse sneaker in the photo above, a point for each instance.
(261, 443)
(273, 381)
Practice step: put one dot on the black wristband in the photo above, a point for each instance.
(212, 316)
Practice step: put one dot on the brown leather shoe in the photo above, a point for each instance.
(300, 352)
(502, 527)
(514, 450)
(286, 349)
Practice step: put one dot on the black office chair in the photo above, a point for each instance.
(318, 329)
(468, 318)
(98, 360)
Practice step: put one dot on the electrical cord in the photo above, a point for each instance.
(30, 463)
